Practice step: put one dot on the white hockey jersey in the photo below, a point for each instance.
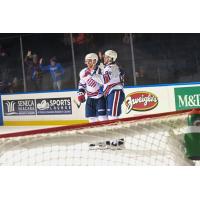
(92, 88)
(110, 78)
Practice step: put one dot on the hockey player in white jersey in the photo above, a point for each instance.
(113, 84)
(95, 109)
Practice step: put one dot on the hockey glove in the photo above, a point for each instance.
(81, 97)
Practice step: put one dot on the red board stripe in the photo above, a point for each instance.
(90, 125)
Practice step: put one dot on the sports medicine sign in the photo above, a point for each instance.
(54, 106)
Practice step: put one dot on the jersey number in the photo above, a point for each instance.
(106, 77)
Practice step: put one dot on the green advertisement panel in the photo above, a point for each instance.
(187, 98)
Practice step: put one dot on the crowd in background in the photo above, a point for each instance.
(48, 64)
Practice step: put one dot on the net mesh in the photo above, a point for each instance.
(148, 141)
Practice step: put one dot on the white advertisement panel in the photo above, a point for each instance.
(63, 108)
(146, 100)
(52, 108)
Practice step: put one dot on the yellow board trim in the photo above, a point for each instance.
(44, 123)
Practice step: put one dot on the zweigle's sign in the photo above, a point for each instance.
(187, 98)
(141, 101)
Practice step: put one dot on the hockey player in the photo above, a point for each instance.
(113, 83)
(112, 79)
(95, 109)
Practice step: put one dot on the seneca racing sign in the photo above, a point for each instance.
(140, 101)
(19, 107)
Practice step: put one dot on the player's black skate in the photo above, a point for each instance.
(112, 145)
(98, 146)
(117, 144)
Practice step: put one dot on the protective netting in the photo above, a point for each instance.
(148, 141)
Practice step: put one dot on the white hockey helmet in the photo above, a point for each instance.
(91, 56)
(112, 54)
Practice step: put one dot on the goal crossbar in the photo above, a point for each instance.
(91, 125)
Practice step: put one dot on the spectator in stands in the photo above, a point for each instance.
(33, 72)
(140, 72)
(82, 42)
(67, 40)
(9, 86)
(56, 70)
(126, 39)
(5, 87)
(15, 85)
(79, 38)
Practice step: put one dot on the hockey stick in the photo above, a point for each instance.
(78, 104)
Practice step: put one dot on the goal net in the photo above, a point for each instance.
(145, 140)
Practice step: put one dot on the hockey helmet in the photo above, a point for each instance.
(111, 54)
(91, 56)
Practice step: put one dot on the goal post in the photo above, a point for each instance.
(144, 140)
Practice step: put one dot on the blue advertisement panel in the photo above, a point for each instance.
(19, 107)
(54, 106)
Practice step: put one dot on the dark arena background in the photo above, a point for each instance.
(146, 58)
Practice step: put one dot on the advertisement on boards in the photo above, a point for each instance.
(187, 97)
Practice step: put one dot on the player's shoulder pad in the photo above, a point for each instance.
(114, 65)
(82, 72)
(107, 67)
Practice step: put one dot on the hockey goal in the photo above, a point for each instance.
(144, 140)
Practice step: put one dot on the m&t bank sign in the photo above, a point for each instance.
(187, 98)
